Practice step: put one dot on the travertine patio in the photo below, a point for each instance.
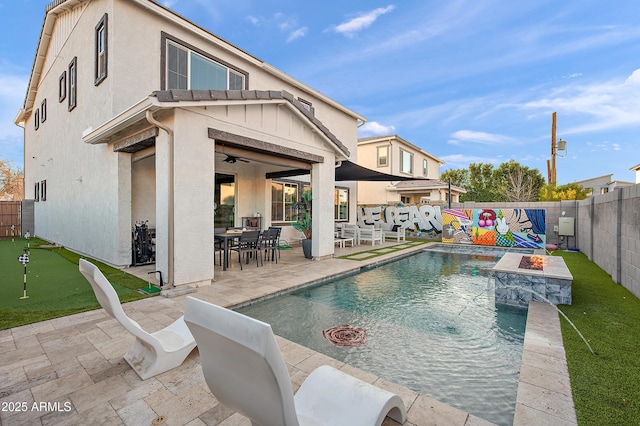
(74, 364)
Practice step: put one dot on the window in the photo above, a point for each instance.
(43, 190)
(36, 192)
(283, 198)
(187, 69)
(43, 111)
(36, 119)
(425, 167)
(73, 89)
(341, 204)
(604, 190)
(383, 156)
(101, 51)
(406, 162)
(62, 87)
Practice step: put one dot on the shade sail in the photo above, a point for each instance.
(348, 171)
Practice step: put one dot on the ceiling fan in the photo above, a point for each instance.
(231, 159)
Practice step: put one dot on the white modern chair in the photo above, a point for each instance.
(245, 370)
(350, 232)
(152, 353)
(370, 233)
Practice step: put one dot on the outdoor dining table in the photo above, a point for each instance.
(225, 237)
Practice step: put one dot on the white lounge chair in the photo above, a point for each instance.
(369, 233)
(152, 353)
(245, 370)
(389, 232)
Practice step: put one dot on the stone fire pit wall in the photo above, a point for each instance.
(517, 286)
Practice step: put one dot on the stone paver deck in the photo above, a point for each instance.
(70, 370)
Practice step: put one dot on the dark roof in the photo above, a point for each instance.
(246, 95)
(427, 184)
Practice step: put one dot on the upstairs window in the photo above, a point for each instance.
(187, 69)
(43, 111)
(425, 167)
(101, 51)
(72, 92)
(383, 156)
(406, 162)
(62, 86)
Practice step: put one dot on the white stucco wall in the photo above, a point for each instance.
(95, 194)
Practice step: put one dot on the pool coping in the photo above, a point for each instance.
(544, 389)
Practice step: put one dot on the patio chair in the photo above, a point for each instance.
(350, 232)
(391, 230)
(248, 244)
(269, 243)
(152, 353)
(278, 232)
(245, 370)
(370, 233)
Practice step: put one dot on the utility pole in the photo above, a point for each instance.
(551, 164)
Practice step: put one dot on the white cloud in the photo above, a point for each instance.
(608, 105)
(351, 27)
(373, 128)
(252, 19)
(478, 137)
(300, 32)
(461, 161)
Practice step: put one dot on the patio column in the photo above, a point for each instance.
(193, 192)
(322, 186)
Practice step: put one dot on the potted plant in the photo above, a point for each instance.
(303, 224)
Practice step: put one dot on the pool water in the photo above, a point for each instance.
(432, 326)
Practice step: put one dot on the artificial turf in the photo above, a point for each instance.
(606, 386)
(55, 287)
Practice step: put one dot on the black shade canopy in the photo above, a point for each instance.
(348, 171)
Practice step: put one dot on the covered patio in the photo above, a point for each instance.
(75, 363)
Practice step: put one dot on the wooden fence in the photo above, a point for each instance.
(10, 216)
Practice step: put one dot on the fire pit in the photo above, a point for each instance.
(521, 278)
(532, 262)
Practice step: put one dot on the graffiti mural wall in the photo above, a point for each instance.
(494, 227)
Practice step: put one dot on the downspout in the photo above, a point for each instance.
(169, 131)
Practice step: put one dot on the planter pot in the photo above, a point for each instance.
(306, 248)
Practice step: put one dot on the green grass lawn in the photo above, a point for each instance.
(606, 386)
(54, 284)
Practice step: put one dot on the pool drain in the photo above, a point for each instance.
(159, 420)
(345, 335)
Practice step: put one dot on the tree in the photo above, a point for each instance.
(511, 181)
(458, 177)
(11, 182)
(518, 182)
(570, 191)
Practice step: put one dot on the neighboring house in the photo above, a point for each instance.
(602, 184)
(393, 155)
(133, 113)
(636, 169)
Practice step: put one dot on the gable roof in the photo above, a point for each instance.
(166, 99)
(57, 7)
(388, 138)
(169, 96)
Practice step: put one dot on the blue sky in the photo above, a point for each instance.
(467, 81)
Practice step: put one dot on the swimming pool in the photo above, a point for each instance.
(432, 326)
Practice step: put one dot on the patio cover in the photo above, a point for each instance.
(348, 171)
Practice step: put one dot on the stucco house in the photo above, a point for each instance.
(602, 184)
(636, 169)
(134, 113)
(394, 155)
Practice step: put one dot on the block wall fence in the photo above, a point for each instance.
(607, 227)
